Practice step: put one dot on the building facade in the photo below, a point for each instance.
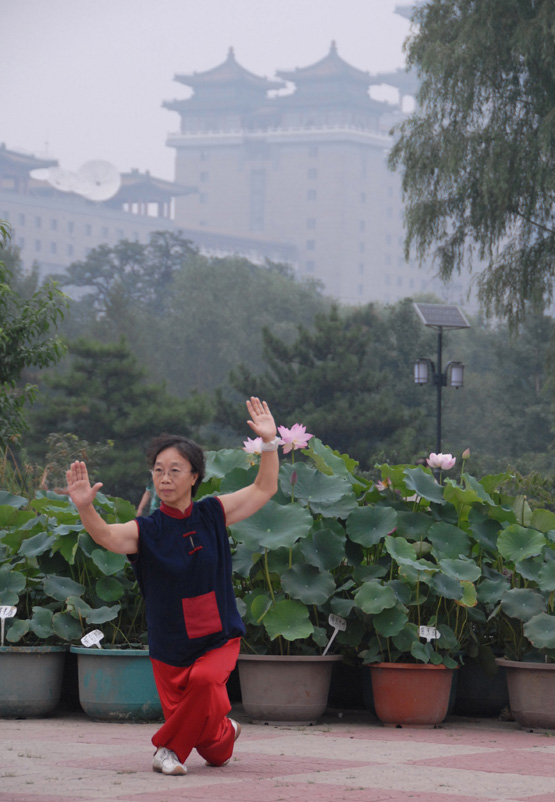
(299, 161)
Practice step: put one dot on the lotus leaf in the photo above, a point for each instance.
(373, 597)
(289, 619)
(517, 542)
(522, 603)
(448, 540)
(324, 549)
(308, 584)
(273, 526)
(369, 525)
(424, 485)
(108, 562)
(540, 631)
(391, 621)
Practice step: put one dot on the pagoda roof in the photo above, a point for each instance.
(229, 72)
(24, 162)
(331, 67)
(405, 81)
(139, 187)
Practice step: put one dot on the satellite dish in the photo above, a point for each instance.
(65, 181)
(100, 180)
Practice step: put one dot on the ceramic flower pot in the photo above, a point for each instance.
(117, 684)
(411, 694)
(285, 689)
(531, 692)
(30, 680)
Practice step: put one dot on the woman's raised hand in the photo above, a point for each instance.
(262, 421)
(79, 486)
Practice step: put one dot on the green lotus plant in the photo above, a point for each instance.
(62, 583)
(292, 560)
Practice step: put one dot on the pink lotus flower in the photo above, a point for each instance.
(381, 486)
(294, 438)
(253, 446)
(442, 461)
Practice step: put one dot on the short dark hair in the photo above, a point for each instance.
(188, 449)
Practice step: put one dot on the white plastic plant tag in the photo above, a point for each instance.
(337, 623)
(92, 638)
(430, 633)
(6, 611)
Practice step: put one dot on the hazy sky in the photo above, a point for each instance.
(85, 79)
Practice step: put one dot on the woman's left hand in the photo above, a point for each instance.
(262, 421)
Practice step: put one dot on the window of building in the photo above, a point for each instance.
(204, 155)
(53, 224)
(53, 247)
(362, 225)
(119, 233)
(312, 172)
(360, 289)
(310, 267)
(311, 195)
(388, 259)
(399, 281)
(313, 150)
(6, 215)
(361, 247)
(363, 197)
(203, 197)
(70, 226)
(69, 249)
(38, 222)
(389, 211)
(310, 244)
(204, 177)
(105, 232)
(37, 245)
(311, 222)
(88, 229)
(21, 219)
(388, 239)
(360, 268)
(21, 242)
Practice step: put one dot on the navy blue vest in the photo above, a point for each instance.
(183, 567)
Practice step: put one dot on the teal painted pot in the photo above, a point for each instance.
(117, 684)
(30, 680)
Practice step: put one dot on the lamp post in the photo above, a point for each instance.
(440, 316)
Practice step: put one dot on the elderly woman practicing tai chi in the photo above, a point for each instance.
(182, 561)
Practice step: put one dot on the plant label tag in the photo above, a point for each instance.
(337, 623)
(6, 611)
(430, 633)
(92, 638)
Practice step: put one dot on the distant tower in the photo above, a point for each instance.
(300, 161)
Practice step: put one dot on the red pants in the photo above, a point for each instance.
(195, 705)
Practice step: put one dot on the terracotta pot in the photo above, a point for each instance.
(285, 689)
(531, 692)
(411, 694)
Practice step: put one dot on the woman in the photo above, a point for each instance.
(181, 557)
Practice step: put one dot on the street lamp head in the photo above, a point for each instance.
(457, 371)
(422, 371)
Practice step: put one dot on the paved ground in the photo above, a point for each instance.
(69, 758)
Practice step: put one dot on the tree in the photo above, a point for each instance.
(478, 155)
(336, 379)
(25, 338)
(104, 397)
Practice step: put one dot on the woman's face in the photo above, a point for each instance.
(173, 478)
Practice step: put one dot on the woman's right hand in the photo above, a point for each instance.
(79, 486)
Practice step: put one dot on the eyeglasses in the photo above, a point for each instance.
(173, 473)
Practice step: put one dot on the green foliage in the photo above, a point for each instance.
(61, 582)
(477, 154)
(25, 340)
(105, 398)
(337, 378)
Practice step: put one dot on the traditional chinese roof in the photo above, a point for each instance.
(139, 187)
(21, 162)
(331, 68)
(406, 82)
(229, 72)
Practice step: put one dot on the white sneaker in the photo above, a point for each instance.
(237, 728)
(166, 762)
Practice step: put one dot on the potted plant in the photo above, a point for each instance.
(416, 589)
(63, 585)
(292, 571)
(518, 591)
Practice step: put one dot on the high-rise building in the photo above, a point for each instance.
(299, 163)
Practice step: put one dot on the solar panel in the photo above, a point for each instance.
(442, 316)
